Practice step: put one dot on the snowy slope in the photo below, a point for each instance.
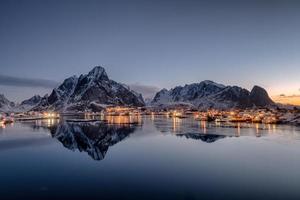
(28, 104)
(5, 104)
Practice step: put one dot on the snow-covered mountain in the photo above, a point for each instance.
(90, 91)
(28, 104)
(5, 104)
(208, 94)
(94, 138)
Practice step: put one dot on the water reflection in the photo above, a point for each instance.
(155, 166)
(95, 135)
(208, 138)
(94, 138)
(119, 120)
(195, 129)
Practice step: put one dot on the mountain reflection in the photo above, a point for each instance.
(209, 138)
(186, 128)
(95, 138)
(208, 132)
(95, 135)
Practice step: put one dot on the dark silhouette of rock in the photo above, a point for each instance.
(259, 97)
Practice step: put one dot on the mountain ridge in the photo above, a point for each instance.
(209, 94)
(94, 91)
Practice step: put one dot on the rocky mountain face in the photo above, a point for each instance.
(91, 92)
(32, 101)
(208, 94)
(26, 105)
(260, 97)
(5, 104)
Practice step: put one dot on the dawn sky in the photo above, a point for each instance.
(150, 44)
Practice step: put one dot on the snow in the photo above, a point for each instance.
(5, 104)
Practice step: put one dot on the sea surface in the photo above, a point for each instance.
(148, 157)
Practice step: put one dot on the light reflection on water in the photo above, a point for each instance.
(148, 157)
(103, 125)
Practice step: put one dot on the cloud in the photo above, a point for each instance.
(147, 91)
(26, 82)
(287, 96)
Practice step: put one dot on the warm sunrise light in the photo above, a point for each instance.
(291, 100)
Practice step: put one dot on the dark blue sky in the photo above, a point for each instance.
(154, 43)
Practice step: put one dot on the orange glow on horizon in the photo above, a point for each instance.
(292, 100)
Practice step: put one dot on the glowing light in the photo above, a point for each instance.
(257, 128)
(2, 125)
(203, 126)
(238, 130)
(152, 116)
(122, 120)
(50, 115)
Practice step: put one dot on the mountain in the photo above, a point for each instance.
(5, 104)
(91, 92)
(208, 94)
(28, 104)
(260, 97)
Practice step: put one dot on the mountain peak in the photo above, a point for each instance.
(257, 88)
(260, 97)
(32, 101)
(209, 82)
(98, 72)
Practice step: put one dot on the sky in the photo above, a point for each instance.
(150, 44)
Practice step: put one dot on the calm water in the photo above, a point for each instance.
(155, 158)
